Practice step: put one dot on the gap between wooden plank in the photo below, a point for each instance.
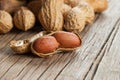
(94, 66)
(40, 69)
(6, 48)
(14, 35)
(4, 56)
(109, 67)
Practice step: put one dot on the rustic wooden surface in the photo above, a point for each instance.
(97, 59)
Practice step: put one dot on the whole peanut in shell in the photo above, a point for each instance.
(50, 15)
(75, 20)
(6, 23)
(87, 10)
(24, 19)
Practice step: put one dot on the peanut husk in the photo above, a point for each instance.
(26, 45)
(57, 50)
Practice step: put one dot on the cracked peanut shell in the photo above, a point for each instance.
(23, 46)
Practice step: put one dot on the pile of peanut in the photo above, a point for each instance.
(57, 16)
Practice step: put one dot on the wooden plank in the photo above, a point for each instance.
(5, 65)
(36, 70)
(104, 51)
(14, 34)
(71, 66)
(109, 67)
(4, 48)
(6, 38)
(7, 57)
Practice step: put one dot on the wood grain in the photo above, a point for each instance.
(97, 59)
(109, 67)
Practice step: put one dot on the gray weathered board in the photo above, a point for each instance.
(97, 59)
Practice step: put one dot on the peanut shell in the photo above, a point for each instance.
(72, 3)
(6, 23)
(24, 19)
(41, 54)
(20, 46)
(98, 5)
(65, 9)
(23, 46)
(75, 20)
(50, 15)
(44, 46)
(35, 6)
(87, 10)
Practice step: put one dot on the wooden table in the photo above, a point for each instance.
(97, 59)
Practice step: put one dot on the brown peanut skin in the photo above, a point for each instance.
(50, 15)
(46, 44)
(67, 39)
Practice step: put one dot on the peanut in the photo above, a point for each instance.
(46, 44)
(67, 39)
(50, 15)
